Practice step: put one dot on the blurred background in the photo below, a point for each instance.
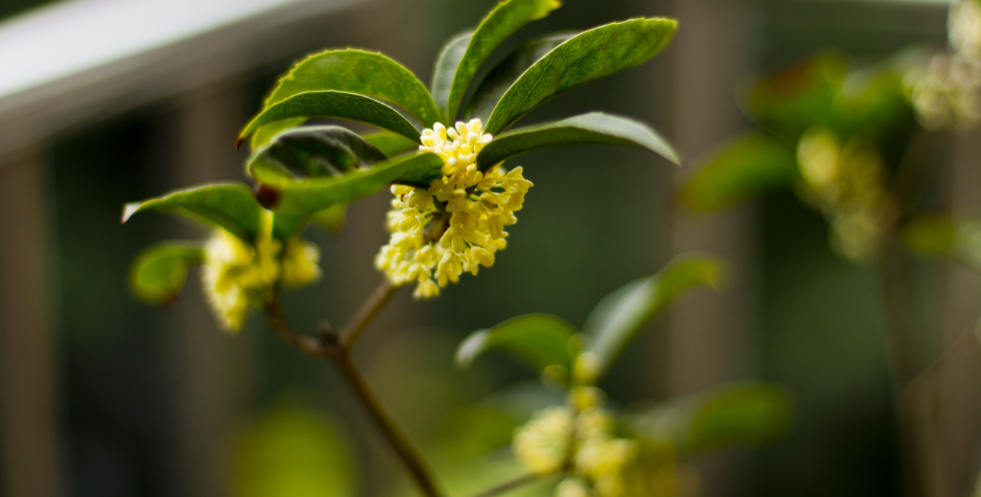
(103, 102)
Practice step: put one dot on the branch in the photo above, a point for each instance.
(367, 313)
(510, 485)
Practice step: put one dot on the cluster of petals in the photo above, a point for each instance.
(237, 275)
(457, 224)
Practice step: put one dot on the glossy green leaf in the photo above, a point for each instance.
(265, 134)
(540, 339)
(594, 127)
(304, 197)
(391, 144)
(314, 151)
(158, 273)
(446, 65)
(945, 236)
(504, 74)
(737, 414)
(591, 55)
(336, 104)
(357, 71)
(739, 170)
(231, 206)
(501, 22)
(621, 315)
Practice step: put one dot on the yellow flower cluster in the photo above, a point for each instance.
(458, 223)
(847, 182)
(238, 276)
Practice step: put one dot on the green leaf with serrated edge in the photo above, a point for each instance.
(336, 104)
(266, 133)
(501, 22)
(357, 71)
(936, 235)
(735, 414)
(391, 144)
(304, 197)
(739, 170)
(590, 55)
(490, 90)
(446, 65)
(594, 127)
(159, 272)
(231, 206)
(621, 315)
(314, 151)
(540, 339)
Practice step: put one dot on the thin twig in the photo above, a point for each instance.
(509, 485)
(367, 313)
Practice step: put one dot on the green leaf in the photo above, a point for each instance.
(594, 127)
(540, 339)
(159, 272)
(303, 197)
(391, 144)
(314, 151)
(446, 65)
(331, 219)
(231, 206)
(500, 23)
(621, 315)
(591, 55)
(357, 71)
(335, 104)
(945, 236)
(504, 74)
(739, 170)
(737, 414)
(265, 134)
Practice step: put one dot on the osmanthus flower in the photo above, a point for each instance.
(601, 451)
(243, 261)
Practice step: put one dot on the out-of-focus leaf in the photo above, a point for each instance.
(540, 339)
(336, 104)
(620, 316)
(873, 103)
(159, 272)
(739, 170)
(738, 414)
(446, 66)
(594, 127)
(294, 452)
(945, 236)
(501, 22)
(303, 197)
(583, 58)
(315, 151)
(357, 71)
(496, 83)
(226, 205)
(391, 144)
(331, 219)
(788, 103)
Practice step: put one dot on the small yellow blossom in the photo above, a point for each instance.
(457, 224)
(946, 93)
(573, 487)
(544, 443)
(964, 26)
(300, 264)
(604, 456)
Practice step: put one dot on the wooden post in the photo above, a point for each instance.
(30, 431)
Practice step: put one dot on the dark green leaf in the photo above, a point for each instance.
(446, 65)
(588, 56)
(945, 236)
(159, 272)
(357, 71)
(313, 151)
(739, 414)
(231, 206)
(492, 88)
(391, 144)
(540, 339)
(336, 104)
(307, 196)
(739, 170)
(621, 315)
(594, 127)
(500, 23)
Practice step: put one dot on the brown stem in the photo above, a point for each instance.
(509, 485)
(330, 346)
(367, 313)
